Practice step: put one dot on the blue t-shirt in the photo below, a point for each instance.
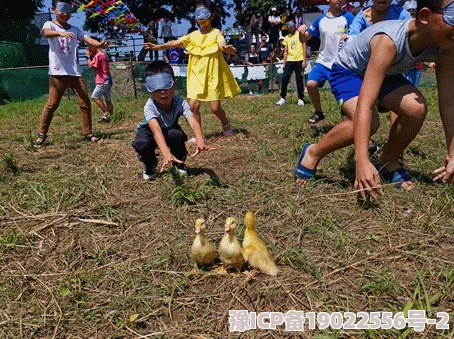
(175, 55)
(329, 30)
(265, 51)
(166, 120)
(360, 22)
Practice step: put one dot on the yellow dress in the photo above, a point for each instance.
(209, 77)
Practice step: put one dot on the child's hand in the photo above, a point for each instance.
(343, 37)
(149, 45)
(445, 173)
(201, 148)
(68, 35)
(103, 44)
(169, 159)
(229, 49)
(367, 180)
(87, 52)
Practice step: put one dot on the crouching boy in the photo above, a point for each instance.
(161, 128)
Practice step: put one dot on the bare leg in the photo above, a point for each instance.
(109, 106)
(338, 137)
(195, 109)
(411, 108)
(217, 110)
(101, 105)
(314, 95)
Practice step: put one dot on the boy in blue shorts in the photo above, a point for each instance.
(370, 68)
(160, 128)
(332, 29)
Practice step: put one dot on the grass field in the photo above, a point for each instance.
(90, 250)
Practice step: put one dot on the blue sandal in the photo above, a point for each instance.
(302, 172)
(396, 177)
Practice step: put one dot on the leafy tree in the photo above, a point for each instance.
(16, 24)
(147, 10)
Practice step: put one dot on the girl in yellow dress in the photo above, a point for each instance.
(209, 77)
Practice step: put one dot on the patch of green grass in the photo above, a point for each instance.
(10, 163)
(105, 245)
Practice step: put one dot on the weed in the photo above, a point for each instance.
(10, 163)
(185, 194)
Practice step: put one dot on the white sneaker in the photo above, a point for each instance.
(281, 102)
(300, 102)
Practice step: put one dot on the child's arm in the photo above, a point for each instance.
(94, 42)
(383, 54)
(50, 33)
(304, 57)
(200, 141)
(162, 145)
(304, 34)
(229, 49)
(285, 54)
(445, 83)
(164, 46)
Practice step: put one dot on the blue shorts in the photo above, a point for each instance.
(346, 84)
(319, 74)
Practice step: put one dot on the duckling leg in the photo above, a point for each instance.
(250, 274)
(221, 270)
(195, 269)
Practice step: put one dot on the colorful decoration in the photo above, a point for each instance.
(112, 12)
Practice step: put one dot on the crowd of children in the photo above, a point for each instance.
(363, 68)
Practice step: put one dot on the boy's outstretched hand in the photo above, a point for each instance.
(201, 148)
(149, 45)
(445, 173)
(367, 181)
(169, 159)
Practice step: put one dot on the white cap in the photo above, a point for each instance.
(409, 5)
(274, 9)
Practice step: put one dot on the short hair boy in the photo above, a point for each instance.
(369, 68)
(161, 128)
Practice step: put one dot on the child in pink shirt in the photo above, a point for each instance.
(99, 61)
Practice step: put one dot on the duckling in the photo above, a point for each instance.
(255, 251)
(230, 248)
(202, 250)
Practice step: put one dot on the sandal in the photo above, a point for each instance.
(41, 139)
(397, 177)
(105, 118)
(227, 129)
(302, 172)
(92, 138)
(316, 117)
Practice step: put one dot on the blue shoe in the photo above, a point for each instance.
(302, 172)
(396, 177)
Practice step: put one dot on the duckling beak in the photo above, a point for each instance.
(197, 230)
(227, 230)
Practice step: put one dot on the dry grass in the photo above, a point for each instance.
(90, 250)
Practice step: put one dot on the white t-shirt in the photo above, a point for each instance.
(63, 51)
(166, 28)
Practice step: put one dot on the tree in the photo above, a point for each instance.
(16, 23)
(27, 9)
(147, 10)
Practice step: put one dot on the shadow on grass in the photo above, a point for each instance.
(317, 130)
(214, 179)
(236, 131)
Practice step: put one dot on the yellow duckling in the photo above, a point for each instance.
(230, 248)
(255, 251)
(202, 250)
